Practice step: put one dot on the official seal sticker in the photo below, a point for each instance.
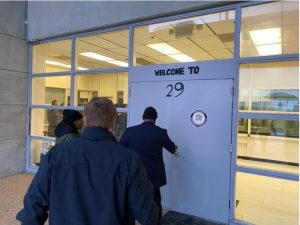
(198, 118)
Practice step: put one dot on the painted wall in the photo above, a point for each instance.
(46, 19)
(13, 87)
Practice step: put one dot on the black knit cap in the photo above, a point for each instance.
(70, 116)
(150, 113)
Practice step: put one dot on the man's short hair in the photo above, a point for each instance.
(100, 112)
(150, 113)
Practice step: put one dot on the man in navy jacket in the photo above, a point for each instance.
(91, 180)
(148, 141)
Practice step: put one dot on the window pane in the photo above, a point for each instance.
(200, 38)
(269, 87)
(270, 29)
(108, 50)
(51, 90)
(265, 200)
(269, 144)
(111, 85)
(44, 121)
(121, 125)
(38, 149)
(51, 57)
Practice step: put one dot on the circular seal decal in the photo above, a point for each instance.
(198, 118)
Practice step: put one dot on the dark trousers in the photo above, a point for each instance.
(157, 200)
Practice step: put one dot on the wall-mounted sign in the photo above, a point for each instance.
(198, 118)
(191, 70)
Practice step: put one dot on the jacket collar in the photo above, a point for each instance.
(149, 123)
(97, 134)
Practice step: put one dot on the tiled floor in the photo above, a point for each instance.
(12, 190)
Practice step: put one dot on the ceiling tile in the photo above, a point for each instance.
(144, 37)
(145, 50)
(116, 38)
(221, 54)
(209, 43)
(185, 45)
(200, 56)
(99, 42)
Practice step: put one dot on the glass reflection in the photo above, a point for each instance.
(269, 87)
(266, 200)
(114, 86)
(38, 149)
(121, 125)
(269, 144)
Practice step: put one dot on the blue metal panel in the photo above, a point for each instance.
(234, 110)
(271, 58)
(217, 69)
(269, 173)
(29, 87)
(270, 116)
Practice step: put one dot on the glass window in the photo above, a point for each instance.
(266, 200)
(270, 29)
(44, 121)
(108, 50)
(111, 85)
(200, 38)
(51, 90)
(269, 87)
(269, 144)
(121, 125)
(51, 57)
(38, 149)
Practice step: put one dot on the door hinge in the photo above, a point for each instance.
(229, 204)
(232, 91)
(230, 147)
(129, 92)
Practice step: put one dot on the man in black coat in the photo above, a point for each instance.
(90, 180)
(148, 141)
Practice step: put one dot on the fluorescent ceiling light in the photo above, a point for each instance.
(82, 68)
(171, 52)
(53, 63)
(94, 55)
(164, 48)
(269, 49)
(266, 36)
(99, 57)
(182, 58)
(118, 63)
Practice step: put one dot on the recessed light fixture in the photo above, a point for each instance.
(266, 36)
(54, 63)
(267, 41)
(99, 57)
(171, 52)
(274, 49)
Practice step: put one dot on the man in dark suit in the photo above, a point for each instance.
(148, 141)
(90, 180)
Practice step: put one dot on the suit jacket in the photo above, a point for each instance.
(90, 180)
(148, 141)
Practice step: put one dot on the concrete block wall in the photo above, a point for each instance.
(13, 87)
